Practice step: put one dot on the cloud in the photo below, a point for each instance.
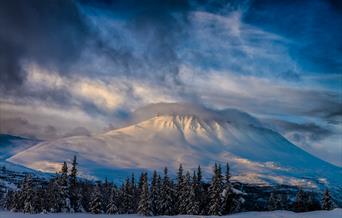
(313, 26)
(78, 131)
(318, 138)
(91, 63)
(97, 92)
(258, 95)
(315, 131)
(49, 34)
(43, 121)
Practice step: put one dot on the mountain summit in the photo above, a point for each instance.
(256, 154)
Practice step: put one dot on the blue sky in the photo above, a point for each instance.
(90, 64)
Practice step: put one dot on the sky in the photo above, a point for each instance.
(72, 67)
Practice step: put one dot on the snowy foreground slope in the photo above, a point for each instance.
(337, 213)
(256, 154)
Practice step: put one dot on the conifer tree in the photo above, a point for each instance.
(179, 188)
(159, 196)
(227, 173)
(73, 173)
(63, 190)
(9, 200)
(37, 201)
(300, 205)
(201, 195)
(52, 193)
(27, 194)
(121, 199)
(106, 189)
(184, 197)
(87, 194)
(127, 197)
(284, 201)
(75, 201)
(135, 193)
(273, 202)
(230, 200)
(144, 206)
(155, 193)
(166, 201)
(64, 175)
(193, 206)
(112, 207)
(95, 206)
(216, 187)
(327, 203)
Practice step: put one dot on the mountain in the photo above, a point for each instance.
(256, 154)
(10, 145)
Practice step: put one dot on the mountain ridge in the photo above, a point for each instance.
(183, 136)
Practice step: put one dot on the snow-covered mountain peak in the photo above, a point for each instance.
(256, 154)
(182, 122)
(187, 111)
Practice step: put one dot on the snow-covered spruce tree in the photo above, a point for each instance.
(53, 193)
(184, 194)
(120, 199)
(28, 194)
(144, 206)
(284, 201)
(106, 189)
(87, 189)
(112, 207)
(9, 200)
(75, 201)
(193, 206)
(19, 199)
(230, 199)
(178, 192)
(63, 186)
(159, 196)
(166, 201)
(201, 194)
(327, 203)
(95, 205)
(135, 194)
(215, 206)
(129, 197)
(155, 193)
(38, 204)
(126, 197)
(300, 203)
(273, 202)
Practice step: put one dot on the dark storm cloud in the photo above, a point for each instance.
(146, 47)
(153, 32)
(332, 115)
(49, 33)
(315, 131)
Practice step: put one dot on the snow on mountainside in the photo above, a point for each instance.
(256, 154)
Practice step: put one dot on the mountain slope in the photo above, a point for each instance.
(10, 145)
(256, 154)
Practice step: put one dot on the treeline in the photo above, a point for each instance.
(187, 194)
